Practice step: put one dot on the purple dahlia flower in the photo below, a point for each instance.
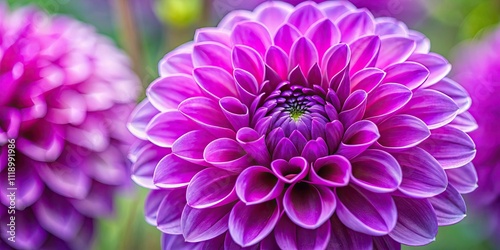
(66, 93)
(479, 69)
(308, 127)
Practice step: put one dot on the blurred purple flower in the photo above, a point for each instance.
(478, 68)
(66, 93)
(308, 127)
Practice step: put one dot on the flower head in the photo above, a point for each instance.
(66, 93)
(308, 127)
(479, 70)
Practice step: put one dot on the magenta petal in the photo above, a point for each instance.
(166, 93)
(152, 204)
(315, 149)
(229, 244)
(144, 165)
(208, 114)
(455, 92)
(302, 198)
(140, 118)
(215, 81)
(387, 26)
(465, 122)
(334, 131)
(175, 63)
(212, 54)
(410, 74)
(402, 131)
(249, 224)
(46, 144)
(174, 172)
(324, 34)
(204, 224)
(65, 179)
(227, 154)
(190, 146)
(385, 243)
(303, 54)
(258, 184)
(356, 24)
(10, 121)
(252, 34)
(167, 127)
(366, 212)
(246, 85)
(367, 79)
(272, 14)
(394, 49)
(211, 187)
(386, 99)
(423, 43)
(236, 112)
(354, 108)
(336, 60)
(29, 233)
(277, 60)
(451, 147)
(292, 171)
(169, 241)
(304, 16)
(376, 171)
(345, 238)
(246, 58)
(463, 179)
(357, 138)
(449, 207)
(211, 34)
(417, 224)
(29, 186)
(423, 176)
(169, 213)
(364, 53)
(253, 143)
(332, 171)
(286, 36)
(285, 150)
(436, 64)
(336, 9)
(432, 107)
(290, 236)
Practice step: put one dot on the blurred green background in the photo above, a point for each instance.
(148, 29)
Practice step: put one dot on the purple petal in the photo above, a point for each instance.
(236, 112)
(410, 74)
(449, 207)
(423, 43)
(272, 14)
(290, 236)
(175, 63)
(417, 224)
(356, 24)
(233, 18)
(66, 180)
(402, 131)
(46, 144)
(167, 127)
(386, 99)
(253, 143)
(357, 138)
(385, 243)
(258, 184)
(354, 108)
(395, 49)
(285, 150)
(211, 34)
(332, 171)
(278, 61)
(246, 85)
(143, 167)
(334, 131)
(97, 203)
(168, 218)
(246, 58)
(304, 16)
(345, 238)
(10, 121)
(336, 60)
(212, 54)
(367, 79)
(191, 146)
(432, 107)
(249, 224)
(169, 241)
(152, 204)
(174, 172)
(376, 171)
(166, 93)
(140, 118)
(292, 171)
(227, 154)
(436, 64)
(215, 81)
(29, 186)
(299, 140)
(252, 34)
(451, 147)
(366, 212)
(465, 122)
(463, 179)
(336, 9)
(455, 92)
(204, 224)
(208, 114)
(364, 53)
(303, 54)
(29, 233)
(286, 36)
(315, 149)
(323, 34)
(56, 215)
(422, 175)
(211, 187)
(389, 26)
(229, 244)
(302, 198)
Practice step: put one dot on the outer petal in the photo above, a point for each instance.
(215, 81)
(449, 207)
(357, 138)
(395, 49)
(304, 17)
(173, 172)
(140, 118)
(212, 54)
(227, 154)
(324, 34)
(436, 64)
(191, 146)
(376, 171)
(345, 238)
(167, 127)
(204, 224)
(410, 74)
(290, 236)
(252, 34)
(402, 131)
(166, 93)
(364, 53)
(211, 187)
(463, 179)
(169, 213)
(356, 24)
(386, 99)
